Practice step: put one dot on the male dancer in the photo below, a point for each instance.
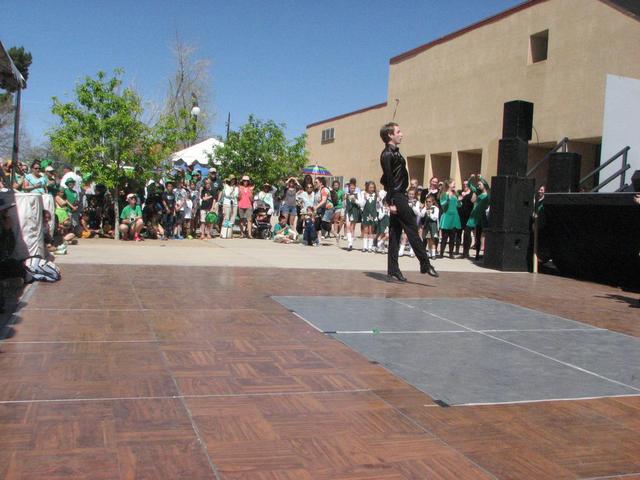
(395, 179)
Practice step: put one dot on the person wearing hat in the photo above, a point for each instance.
(131, 219)
(70, 194)
(230, 200)
(34, 182)
(245, 206)
(52, 181)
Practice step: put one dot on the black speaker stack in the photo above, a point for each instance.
(564, 172)
(512, 193)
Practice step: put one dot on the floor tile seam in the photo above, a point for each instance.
(548, 357)
(194, 426)
(187, 396)
(64, 342)
(525, 402)
(168, 371)
(434, 436)
(541, 330)
(611, 477)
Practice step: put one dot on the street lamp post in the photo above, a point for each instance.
(195, 111)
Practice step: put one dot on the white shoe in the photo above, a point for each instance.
(401, 252)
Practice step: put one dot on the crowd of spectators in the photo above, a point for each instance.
(303, 210)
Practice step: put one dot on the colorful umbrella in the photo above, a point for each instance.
(317, 170)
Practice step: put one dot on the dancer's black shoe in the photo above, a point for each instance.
(397, 275)
(426, 267)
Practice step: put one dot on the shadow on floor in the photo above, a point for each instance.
(633, 302)
(11, 290)
(382, 277)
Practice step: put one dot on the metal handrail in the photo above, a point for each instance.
(561, 144)
(621, 172)
(613, 177)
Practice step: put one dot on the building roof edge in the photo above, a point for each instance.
(494, 18)
(355, 112)
(627, 7)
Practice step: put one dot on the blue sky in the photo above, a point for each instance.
(292, 61)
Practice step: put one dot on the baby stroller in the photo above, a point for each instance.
(261, 226)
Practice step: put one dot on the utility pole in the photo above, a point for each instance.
(228, 126)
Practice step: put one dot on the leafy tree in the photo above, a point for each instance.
(261, 150)
(101, 132)
(189, 84)
(22, 60)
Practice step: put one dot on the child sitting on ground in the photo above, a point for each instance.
(84, 229)
(309, 234)
(283, 233)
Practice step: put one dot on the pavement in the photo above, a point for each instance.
(239, 252)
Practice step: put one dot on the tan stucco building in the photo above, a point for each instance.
(449, 94)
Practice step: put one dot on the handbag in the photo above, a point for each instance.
(211, 218)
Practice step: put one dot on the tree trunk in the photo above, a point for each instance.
(116, 211)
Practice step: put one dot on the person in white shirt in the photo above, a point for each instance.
(69, 173)
(382, 227)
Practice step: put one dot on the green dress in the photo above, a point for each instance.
(369, 211)
(478, 216)
(353, 211)
(450, 219)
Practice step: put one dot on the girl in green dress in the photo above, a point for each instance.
(478, 218)
(369, 215)
(450, 220)
(352, 213)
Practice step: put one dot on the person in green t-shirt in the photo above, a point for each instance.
(131, 219)
(282, 232)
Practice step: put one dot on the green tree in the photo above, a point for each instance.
(261, 150)
(101, 132)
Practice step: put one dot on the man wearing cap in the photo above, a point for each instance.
(131, 219)
(52, 181)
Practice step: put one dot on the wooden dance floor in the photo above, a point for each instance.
(121, 372)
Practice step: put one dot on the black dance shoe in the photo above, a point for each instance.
(397, 275)
(426, 267)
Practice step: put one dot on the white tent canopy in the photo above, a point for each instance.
(198, 153)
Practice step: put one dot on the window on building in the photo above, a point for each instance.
(328, 135)
(539, 44)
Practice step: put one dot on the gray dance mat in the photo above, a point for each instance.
(468, 351)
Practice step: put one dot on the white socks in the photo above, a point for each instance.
(350, 238)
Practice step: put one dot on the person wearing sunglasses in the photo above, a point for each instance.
(35, 182)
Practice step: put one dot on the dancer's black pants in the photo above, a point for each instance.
(451, 237)
(403, 219)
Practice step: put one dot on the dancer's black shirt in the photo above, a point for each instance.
(395, 176)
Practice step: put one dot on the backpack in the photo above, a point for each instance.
(37, 268)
